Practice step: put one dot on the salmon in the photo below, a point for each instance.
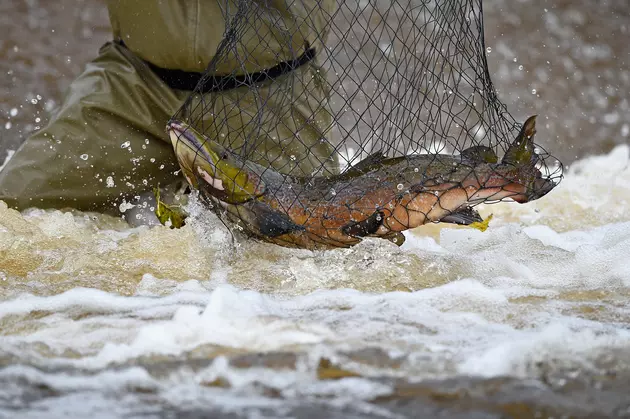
(378, 197)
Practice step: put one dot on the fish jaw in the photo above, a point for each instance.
(212, 169)
(185, 149)
(522, 185)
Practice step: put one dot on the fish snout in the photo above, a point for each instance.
(534, 189)
(539, 188)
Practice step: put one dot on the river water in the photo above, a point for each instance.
(529, 319)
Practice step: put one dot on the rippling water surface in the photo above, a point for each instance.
(528, 316)
(527, 319)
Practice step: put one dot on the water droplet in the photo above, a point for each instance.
(533, 91)
(293, 157)
(34, 101)
(400, 186)
(152, 159)
(13, 112)
(109, 182)
(84, 156)
(333, 192)
(39, 97)
(416, 170)
(520, 67)
(515, 59)
(146, 141)
(125, 144)
(8, 125)
(488, 50)
(38, 119)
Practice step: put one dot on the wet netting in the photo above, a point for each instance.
(321, 122)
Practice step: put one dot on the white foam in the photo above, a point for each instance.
(111, 381)
(527, 291)
(232, 318)
(520, 355)
(92, 300)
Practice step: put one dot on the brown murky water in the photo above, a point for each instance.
(527, 320)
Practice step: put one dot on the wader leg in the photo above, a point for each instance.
(106, 144)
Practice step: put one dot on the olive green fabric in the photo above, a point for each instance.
(107, 143)
(184, 34)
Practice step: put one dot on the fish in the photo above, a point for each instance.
(378, 197)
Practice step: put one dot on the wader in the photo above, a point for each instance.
(107, 143)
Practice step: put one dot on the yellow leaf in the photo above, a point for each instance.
(483, 225)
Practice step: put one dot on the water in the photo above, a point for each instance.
(527, 319)
(531, 314)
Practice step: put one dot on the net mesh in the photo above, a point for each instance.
(299, 92)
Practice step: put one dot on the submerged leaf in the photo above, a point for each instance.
(482, 225)
(172, 216)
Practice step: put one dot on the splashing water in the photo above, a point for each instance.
(94, 311)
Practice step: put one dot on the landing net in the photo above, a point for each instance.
(309, 88)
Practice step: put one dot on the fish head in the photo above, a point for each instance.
(520, 184)
(516, 176)
(211, 168)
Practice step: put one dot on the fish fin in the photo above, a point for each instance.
(273, 223)
(464, 216)
(366, 164)
(395, 237)
(365, 227)
(480, 154)
(521, 151)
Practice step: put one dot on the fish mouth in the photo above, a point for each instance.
(538, 188)
(180, 134)
(210, 168)
(531, 191)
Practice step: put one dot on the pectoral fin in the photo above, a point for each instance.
(464, 216)
(273, 223)
(365, 227)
